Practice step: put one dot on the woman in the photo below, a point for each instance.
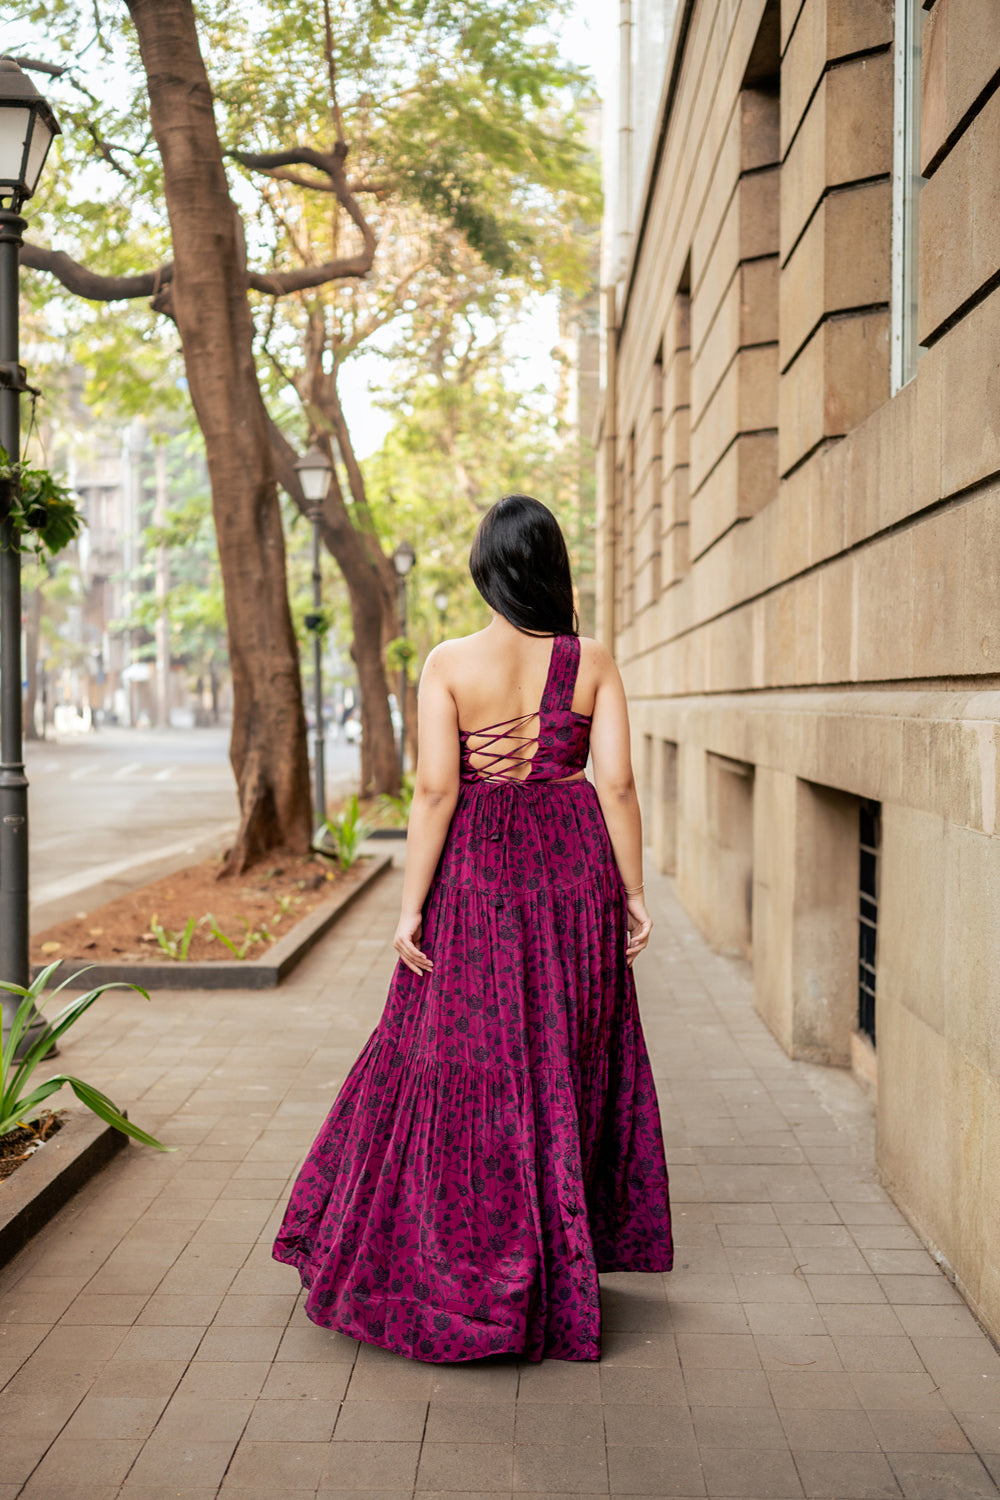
(497, 1143)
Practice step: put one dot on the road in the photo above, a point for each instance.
(106, 807)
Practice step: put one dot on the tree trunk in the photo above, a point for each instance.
(379, 762)
(327, 399)
(209, 303)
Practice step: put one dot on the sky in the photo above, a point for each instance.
(589, 37)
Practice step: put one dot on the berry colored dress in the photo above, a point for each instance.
(497, 1143)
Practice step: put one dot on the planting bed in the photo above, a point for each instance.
(270, 899)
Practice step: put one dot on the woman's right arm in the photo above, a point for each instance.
(434, 797)
(611, 757)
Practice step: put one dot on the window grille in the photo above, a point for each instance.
(870, 838)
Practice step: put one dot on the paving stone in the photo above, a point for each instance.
(709, 1317)
(202, 1419)
(942, 1476)
(465, 1422)
(115, 1417)
(557, 1380)
(718, 1351)
(806, 1343)
(276, 1467)
(747, 1473)
(558, 1468)
(654, 1470)
(849, 1476)
(645, 1426)
(370, 1465)
(98, 1464)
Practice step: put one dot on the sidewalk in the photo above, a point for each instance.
(805, 1345)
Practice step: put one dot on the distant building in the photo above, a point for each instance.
(799, 539)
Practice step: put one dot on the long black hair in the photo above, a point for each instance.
(520, 565)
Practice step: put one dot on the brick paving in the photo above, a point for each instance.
(805, 1345)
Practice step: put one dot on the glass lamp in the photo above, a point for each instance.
(27, 130)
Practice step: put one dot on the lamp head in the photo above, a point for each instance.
(27, 130)
(313, 469)
(403, 559)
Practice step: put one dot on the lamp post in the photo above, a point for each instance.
(441, 605)
(27, 129)
(402, 560)
(314, 472)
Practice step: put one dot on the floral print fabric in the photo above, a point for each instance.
(497, 1143)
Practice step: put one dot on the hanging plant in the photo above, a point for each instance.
(399, 653)
(44, 515)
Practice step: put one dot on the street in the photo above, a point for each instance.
(107, 808)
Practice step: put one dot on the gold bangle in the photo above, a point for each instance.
(635, 891)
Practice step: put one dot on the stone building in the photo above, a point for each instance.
(799, 539)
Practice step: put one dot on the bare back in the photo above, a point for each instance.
(497, 678)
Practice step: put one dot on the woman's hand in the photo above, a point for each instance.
(640, 925)
(406, 943)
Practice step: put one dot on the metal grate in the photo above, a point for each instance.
(870, 838)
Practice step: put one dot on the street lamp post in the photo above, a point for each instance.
(441, 605)
(402, 560)
(314, 473)
(27, 129)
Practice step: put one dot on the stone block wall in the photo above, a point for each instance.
(802, 567)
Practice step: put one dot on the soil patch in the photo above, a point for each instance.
(253, 911)
(18, 1145)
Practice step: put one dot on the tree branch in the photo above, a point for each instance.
(95, 287)
(332, 164)
(299, 156)
(91, 284)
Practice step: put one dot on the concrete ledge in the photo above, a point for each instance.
(47, 1180)
(230, 974)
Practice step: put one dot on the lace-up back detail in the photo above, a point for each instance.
(557, 750)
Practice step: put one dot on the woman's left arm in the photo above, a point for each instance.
(434, 799)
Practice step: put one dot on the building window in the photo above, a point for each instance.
(906, 185)
(870, 830)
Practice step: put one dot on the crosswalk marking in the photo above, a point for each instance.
(123, 771)
(165, 774)
(82, 772)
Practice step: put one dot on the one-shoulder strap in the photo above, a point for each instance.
(561, 681)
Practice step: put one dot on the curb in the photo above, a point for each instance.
(46, 1182)
(230, 974)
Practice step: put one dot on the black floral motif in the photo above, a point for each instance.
(497, 1143)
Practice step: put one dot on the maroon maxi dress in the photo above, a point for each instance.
(497, 1143)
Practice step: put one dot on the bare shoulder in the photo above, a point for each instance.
(596, 659)
(449, 659)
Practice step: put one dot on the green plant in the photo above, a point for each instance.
(399, 653)
(238, 950)
(346, 832)
(394, 812)
(175, 945)
(37, 504)
(19, 1103)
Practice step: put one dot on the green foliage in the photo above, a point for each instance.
(468, 148)
(19, 1103)
(238, 950)
(39, 507)
(399, 653)
(175, 945)
(394, 812)
(346, 832)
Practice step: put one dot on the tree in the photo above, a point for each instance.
(457, 120)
